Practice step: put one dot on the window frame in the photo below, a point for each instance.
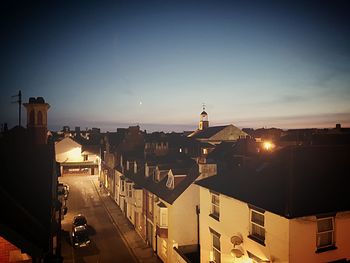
(163, 217)
(215, 207)
(319, 233)
(252, 233)
(214, 249)
(129, 190)
(122, 184)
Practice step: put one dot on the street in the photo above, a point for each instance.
(106, 244)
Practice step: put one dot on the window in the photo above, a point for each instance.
(129, 190)
(325, 232)
(215, 205)
(164, 247)
(31, 117)
(163, 217)
(135, 167)
(85, 157)
(170, 182)
(215, 248)
(123, 185)
(150, 203)
(257, 223)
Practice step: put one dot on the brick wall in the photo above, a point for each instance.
(5, 248)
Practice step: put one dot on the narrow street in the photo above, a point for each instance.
(106, 245)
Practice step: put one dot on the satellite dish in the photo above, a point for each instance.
(237, 252)
(236, 239)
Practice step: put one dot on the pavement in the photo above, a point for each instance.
(137, 246)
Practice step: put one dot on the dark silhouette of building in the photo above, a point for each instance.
(28, 187)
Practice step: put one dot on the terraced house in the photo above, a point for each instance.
(289, 204)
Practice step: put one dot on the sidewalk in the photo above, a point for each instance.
(138, 248)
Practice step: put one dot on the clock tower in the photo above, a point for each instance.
(203, 122)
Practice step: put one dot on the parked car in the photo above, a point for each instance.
(80, 236)
(63, 190)
(79, 220)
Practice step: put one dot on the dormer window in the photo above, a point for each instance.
(146, 170)
(170, 181)
(135, 167)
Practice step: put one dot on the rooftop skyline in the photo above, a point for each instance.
(154, 63)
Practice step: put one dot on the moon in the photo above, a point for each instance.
(140, 103)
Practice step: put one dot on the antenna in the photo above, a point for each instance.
(19, 101)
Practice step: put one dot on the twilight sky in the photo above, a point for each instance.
(153, 63)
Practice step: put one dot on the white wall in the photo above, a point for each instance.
(67, 150)
(234, 218)
(182, 220)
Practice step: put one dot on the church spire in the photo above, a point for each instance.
(203, 122)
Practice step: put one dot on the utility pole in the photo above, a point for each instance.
(19, 101)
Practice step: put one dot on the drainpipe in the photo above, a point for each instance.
(198, 212)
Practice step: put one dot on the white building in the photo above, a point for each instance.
(77, 158)
(285, 206)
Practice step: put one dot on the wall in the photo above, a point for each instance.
(234, 219)
(304, 229)
(10, 253)
(68, 150)
(182, 220)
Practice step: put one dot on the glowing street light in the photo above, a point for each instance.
(268, 145)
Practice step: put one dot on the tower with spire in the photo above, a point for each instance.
(203, 122)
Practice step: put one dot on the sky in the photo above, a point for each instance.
(154, 63)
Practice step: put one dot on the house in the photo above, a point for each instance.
(77, 157)
(156, 199)
(286, 205)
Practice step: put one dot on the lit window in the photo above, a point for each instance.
(215, 205)
(216, 250)
(325, 232)
(257, 225)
